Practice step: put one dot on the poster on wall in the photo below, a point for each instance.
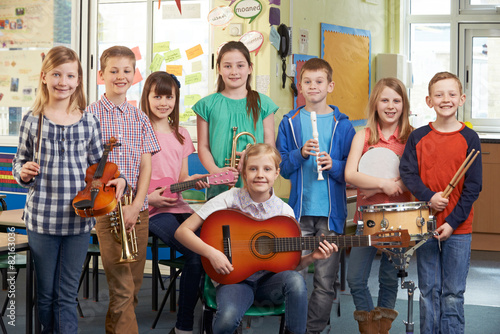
(26, 23)
(19, 75)
(348, 51)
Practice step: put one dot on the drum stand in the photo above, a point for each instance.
(401, 259)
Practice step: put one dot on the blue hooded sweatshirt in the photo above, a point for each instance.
(289, 143)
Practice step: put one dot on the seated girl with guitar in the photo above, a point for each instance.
(257, 199)
(167, 210)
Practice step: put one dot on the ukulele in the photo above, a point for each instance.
(273, 244)
(97, 199)
(173, 189)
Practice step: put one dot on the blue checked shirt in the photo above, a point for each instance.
(66, 153)
(133, 130)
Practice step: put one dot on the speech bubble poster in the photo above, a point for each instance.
(248, 9)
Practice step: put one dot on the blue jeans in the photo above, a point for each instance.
(164, 226)
(233, 300)
(358, 272)
(325, 276)
(58, 266)
(442, 278)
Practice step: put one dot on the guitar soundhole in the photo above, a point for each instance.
(263, 247)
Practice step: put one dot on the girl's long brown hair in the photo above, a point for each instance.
(57, 56)
(372, 115)
(253, 98)
(163, 84)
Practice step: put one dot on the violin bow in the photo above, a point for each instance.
(39, 139)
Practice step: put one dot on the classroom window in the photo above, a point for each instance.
(479, 5)
(430, 7)
(463, 39)
(481, 68)
(123, 23)
(181, 41)
(29, 28)
(430, 53)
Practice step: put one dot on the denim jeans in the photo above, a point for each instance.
(325, 276)
(358, 272)
(442, 276)
(58, 266)
(164, 226)
(233, 300)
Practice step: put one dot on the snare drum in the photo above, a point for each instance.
(412, 216)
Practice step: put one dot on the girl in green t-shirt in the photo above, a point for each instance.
(234, 105)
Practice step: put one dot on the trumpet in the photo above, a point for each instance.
(316, 136)
(128, 242)
(234, 161)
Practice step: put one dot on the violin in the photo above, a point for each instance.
(97, 199)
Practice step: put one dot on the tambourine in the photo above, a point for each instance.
(379, 162)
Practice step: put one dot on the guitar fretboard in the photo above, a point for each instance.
(310, 243)
(178, 187)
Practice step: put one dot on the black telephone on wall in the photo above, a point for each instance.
(284, 40)
(283, 52)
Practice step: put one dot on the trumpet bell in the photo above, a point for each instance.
(233, 161)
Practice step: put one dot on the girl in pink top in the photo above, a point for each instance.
(160, 101)
(388, 126)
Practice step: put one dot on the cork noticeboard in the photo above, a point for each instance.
(348, 51)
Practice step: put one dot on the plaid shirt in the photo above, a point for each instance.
(67, 151)
(131, 127)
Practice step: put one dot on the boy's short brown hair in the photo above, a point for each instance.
(317, 64)
(442, 76)
(116, 51)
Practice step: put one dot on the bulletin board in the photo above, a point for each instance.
(26, 23)
(7, 181)
(298, 61)
(348, 51)
(19, 75)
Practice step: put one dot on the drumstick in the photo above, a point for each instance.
(454, 179)
(458, 175)
(461, 172)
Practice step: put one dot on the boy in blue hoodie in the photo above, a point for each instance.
(319, 205)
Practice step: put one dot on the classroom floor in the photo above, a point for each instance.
(482, 307)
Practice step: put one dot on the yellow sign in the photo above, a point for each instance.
(193, 78)
(172, 55)
(184, 117)
(190, 100)
(161, 47)
(157, 60)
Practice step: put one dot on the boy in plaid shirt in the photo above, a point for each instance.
(131, 127)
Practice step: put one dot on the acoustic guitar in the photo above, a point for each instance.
(273, 244)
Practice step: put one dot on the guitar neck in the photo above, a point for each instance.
(310, 243)
(181, 186)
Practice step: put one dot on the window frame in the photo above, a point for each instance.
(458, 15)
